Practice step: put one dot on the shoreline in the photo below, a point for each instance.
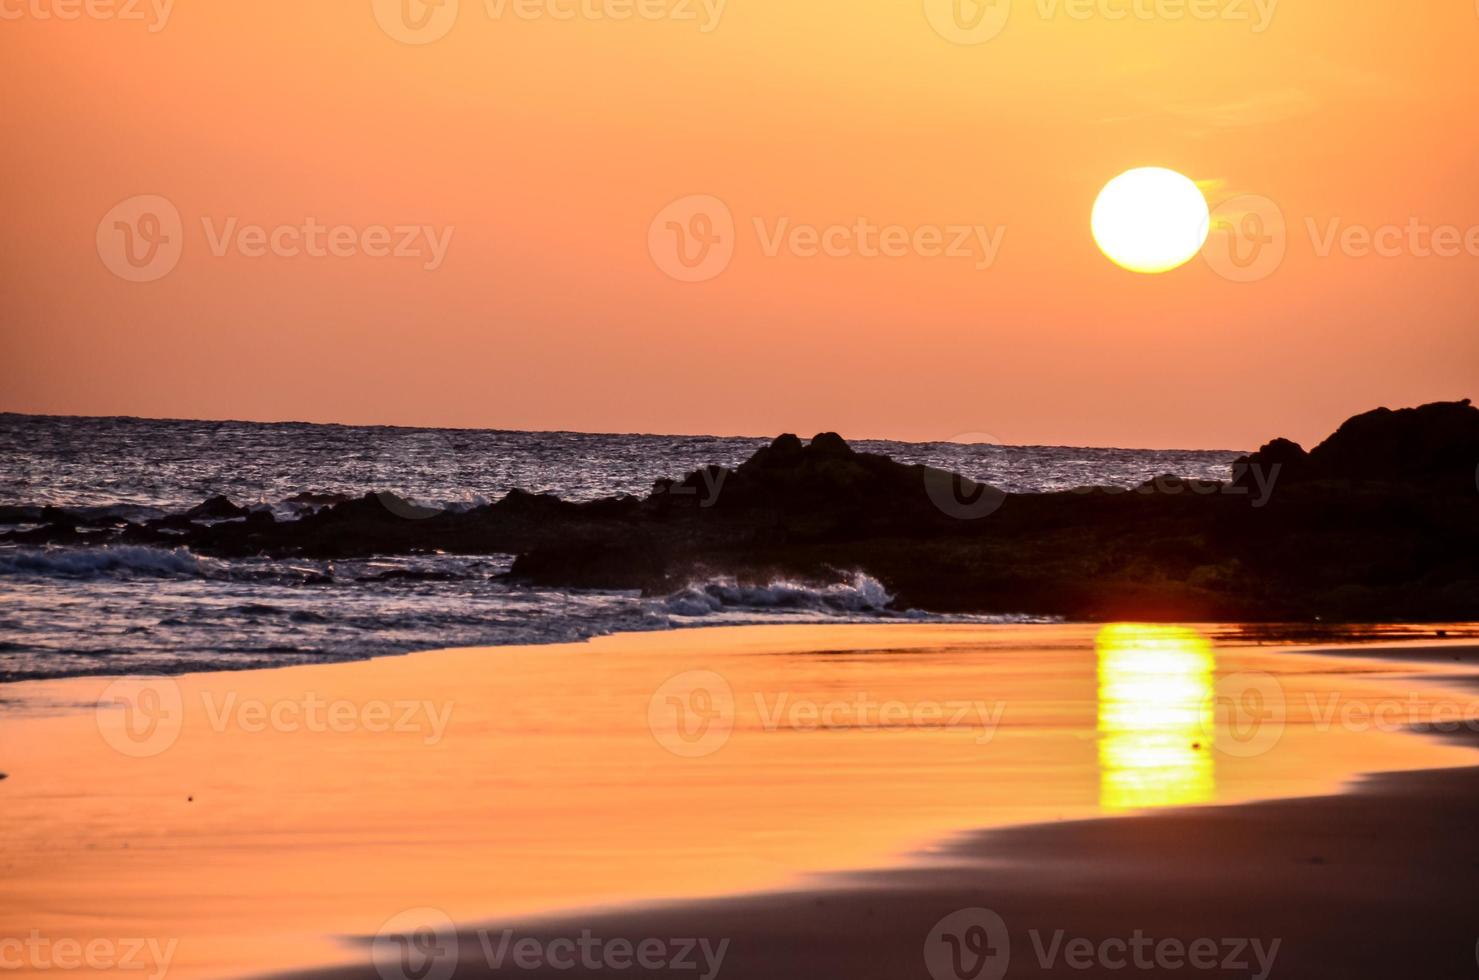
(1297, 638)
(383, 779)
(901, 620)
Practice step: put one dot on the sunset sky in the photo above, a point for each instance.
(548, 148)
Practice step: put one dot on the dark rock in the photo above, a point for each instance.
(1286, 458)
(170, 522)
(216, 508)
(60, 518)
(404, 509)
(785, 451)
(521, 502)
(317, 499)
(1436, 445)
(1380, 522)
(1433, 443)
(1169, 483)
(19, 515)
(830, 444)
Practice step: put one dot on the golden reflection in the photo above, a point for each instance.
(1154, 685)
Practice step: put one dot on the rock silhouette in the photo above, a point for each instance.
(1380, 521)
(1431, 447)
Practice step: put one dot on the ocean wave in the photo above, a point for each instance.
(860, 594)
(130, 610)
(112, 561)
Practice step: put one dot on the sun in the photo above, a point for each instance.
(1150, 220)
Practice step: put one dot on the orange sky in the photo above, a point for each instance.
(546, 146)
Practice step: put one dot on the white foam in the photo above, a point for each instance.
(106, 561)
(860, 594)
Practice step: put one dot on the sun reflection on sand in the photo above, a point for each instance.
(1155, 683)
(567, 777)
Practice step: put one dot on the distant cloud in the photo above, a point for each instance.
(1322, 83)
(1256, 109)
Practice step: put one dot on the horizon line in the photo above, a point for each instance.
(582, 432)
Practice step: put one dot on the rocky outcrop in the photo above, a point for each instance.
(1380, 521)
(216, 508)
(1434, 447)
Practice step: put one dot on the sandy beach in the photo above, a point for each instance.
(1374, 883)
(817, 799)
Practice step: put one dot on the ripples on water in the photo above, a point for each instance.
(71, 611)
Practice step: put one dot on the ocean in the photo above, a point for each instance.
(111, 610)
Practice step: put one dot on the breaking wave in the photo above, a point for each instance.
(119, 561)
(859, 595)
(134, 609)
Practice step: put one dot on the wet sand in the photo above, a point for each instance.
(511, 786)
(1377, 883)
